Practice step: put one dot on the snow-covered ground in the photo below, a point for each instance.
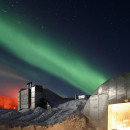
(41, 116)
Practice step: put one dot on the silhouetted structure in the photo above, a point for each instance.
(35, 95)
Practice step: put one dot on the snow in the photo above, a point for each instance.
(42, 116)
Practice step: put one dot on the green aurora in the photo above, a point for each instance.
(48, 56)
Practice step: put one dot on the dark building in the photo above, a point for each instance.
(35, 95)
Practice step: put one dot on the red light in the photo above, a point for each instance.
(8, 103)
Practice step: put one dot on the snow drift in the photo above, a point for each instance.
(40, 116)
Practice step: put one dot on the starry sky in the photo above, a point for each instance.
(68, 46)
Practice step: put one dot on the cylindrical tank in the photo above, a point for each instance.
(115, 90)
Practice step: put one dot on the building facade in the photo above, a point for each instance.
(24, 96)
(35, 95)
(31, 97)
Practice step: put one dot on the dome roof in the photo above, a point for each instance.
(115, 90)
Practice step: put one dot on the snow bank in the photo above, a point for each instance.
(41, 116)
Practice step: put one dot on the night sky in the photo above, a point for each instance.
(68, 46)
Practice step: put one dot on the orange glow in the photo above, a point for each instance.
(119, 116)
(8, 103)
